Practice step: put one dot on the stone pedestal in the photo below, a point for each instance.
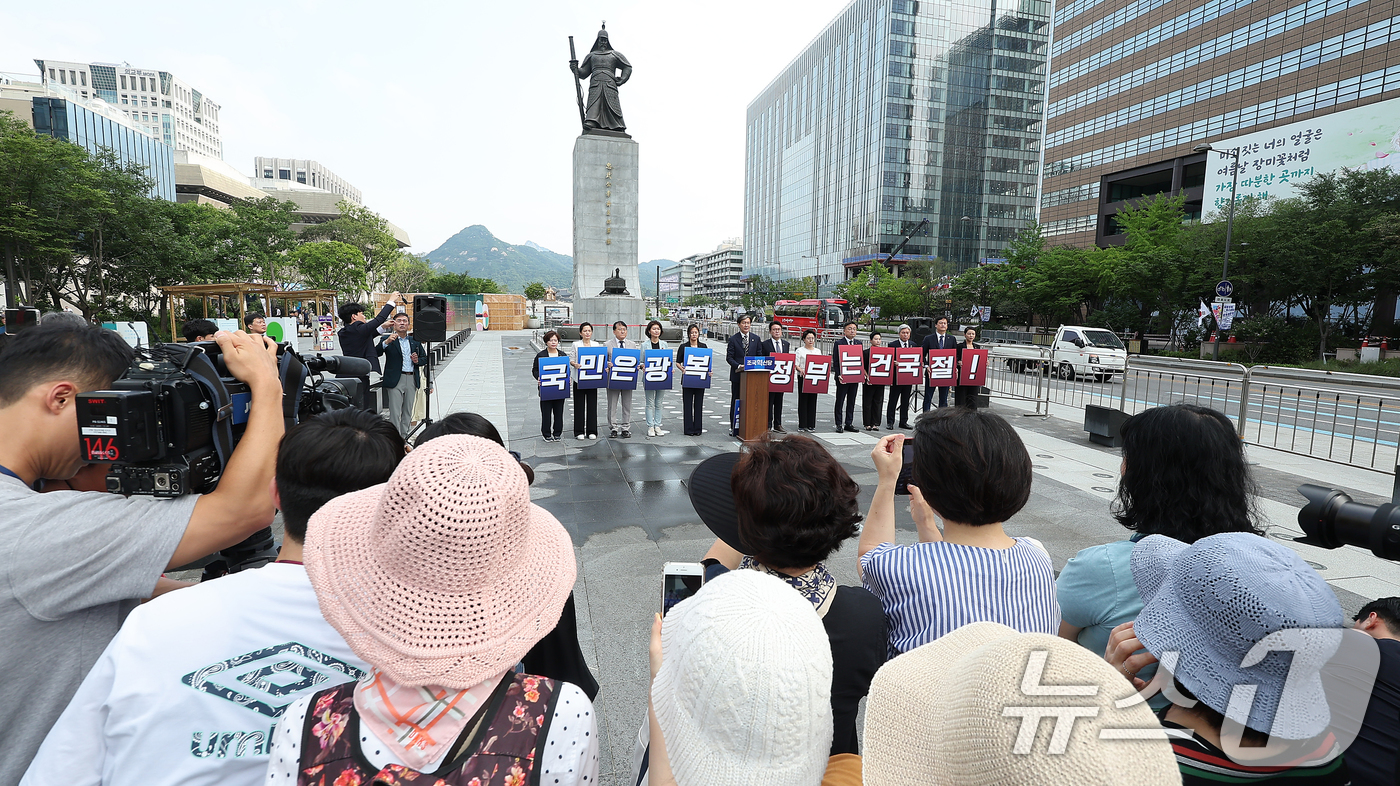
(605, 231)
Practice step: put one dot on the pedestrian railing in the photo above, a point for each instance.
(1351, 419)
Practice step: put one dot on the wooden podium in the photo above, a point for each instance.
(753, 392)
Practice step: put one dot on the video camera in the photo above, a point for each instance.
(170, 423)
(1330, 519)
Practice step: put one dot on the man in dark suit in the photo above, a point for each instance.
(939, 339)
(775, 346)
(741, 345)
(845, 394)
(357, 338)
(899, 394)
(402, 354)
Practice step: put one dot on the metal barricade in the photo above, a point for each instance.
(1012, 374)
(1153, 382)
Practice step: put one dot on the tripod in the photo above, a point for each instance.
(428, 391)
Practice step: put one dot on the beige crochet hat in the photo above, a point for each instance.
(949, 713)
(445, 575)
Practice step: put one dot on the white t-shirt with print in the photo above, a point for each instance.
(569, 756)
(189, 690)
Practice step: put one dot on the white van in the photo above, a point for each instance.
(1077, 351)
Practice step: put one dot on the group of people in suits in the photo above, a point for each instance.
(403, 357)
(746, 344)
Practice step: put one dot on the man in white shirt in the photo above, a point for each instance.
(619, 401)
(190, 688)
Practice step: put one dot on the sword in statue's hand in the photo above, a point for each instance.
(578, 89)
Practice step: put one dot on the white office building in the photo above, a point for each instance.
(678, 281)
(307, 173)
(168, 108)
(717, 273)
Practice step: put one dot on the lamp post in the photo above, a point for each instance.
(1234, 153)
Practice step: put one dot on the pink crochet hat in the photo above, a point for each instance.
(445, 575)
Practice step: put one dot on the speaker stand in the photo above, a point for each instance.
(428, 391)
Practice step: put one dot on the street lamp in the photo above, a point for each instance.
(1205, 147)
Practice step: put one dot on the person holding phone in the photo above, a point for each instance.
(806, 402)
(693, 398)
(782, 507)
(585, 401)
(551, 410)
(971, 473)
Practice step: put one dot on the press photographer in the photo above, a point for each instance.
(74, 563)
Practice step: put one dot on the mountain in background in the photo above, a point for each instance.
(477, 251)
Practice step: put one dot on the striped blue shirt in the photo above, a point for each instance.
(929, 589)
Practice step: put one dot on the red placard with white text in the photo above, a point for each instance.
(817, 374)
(852, 363)
(974, 368)
(907, 365)
(881, 366)
(942, 367)
(783, 377)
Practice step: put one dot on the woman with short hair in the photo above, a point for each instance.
(782, 507)
(971, 473)
(551, 410)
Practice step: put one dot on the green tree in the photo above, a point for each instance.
(331, 264)
(1150, 270)
(698, 300)
(462, 284)
(364, 229)
(261, 235)
(408, 273)
(535, 290)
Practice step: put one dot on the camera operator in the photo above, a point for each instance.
(134, 721)
(74, 563)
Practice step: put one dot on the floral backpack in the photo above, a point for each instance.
(501, 752)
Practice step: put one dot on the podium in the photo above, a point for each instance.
(753, 398)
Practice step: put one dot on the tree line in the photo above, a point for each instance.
(82, 229)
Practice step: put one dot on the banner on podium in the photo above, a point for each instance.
(907, 365)
(591, 364)
(817, 375)
(784, 377)
(554, 378)
(623, 368)
(881, 366)
(657, 374)
(851, 358)
(696, 371)
(942, 368)
(973, 370)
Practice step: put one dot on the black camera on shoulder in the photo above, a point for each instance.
(170, 423)
(1332, 520)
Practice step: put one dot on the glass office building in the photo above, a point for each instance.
(1136, 85)
(899, 111)
(71, 121)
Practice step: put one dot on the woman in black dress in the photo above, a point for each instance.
(551, 410)
(966, 395)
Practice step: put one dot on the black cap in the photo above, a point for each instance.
(713, 498)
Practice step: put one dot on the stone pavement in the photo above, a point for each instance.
(624, 504)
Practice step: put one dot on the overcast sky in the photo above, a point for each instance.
(451, 114)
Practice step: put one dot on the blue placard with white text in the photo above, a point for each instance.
(656, 374)
(554, 378)
(696, 371)
(623, 368)
(592, 367)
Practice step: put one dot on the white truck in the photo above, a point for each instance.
(1077, 351)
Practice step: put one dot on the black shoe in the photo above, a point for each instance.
(851, 428)
(780, 429)
(626, 435)
(889, 427)
(613, 434)
(839, 429)
(905, 425)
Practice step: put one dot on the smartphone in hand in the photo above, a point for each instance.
(680, 580)
(901, 486)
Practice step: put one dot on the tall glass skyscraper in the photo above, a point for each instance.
(71, 121)
(899, 111)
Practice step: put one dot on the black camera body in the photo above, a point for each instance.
(170, 423)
